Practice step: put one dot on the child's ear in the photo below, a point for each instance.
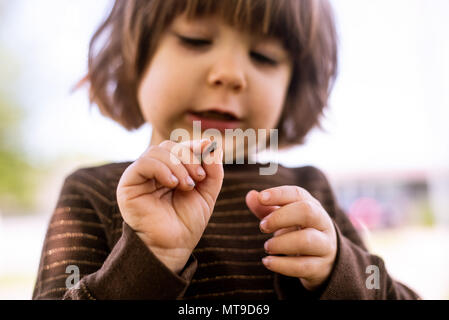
(258, 209)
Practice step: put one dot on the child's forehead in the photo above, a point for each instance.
(199, 21)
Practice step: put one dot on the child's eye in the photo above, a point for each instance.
(194, 42)
(263, 59)
(197, 43)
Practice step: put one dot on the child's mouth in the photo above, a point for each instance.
(214, 119)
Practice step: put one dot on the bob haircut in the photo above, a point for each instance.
(124, 43)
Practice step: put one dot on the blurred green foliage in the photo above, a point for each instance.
(17, 175)
(427, 214)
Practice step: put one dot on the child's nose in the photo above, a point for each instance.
(229, 73)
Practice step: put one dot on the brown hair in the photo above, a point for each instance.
(124, 43)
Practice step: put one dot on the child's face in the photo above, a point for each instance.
(226, 72)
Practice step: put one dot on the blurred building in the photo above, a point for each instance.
(380, 200)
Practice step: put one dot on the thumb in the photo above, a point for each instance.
(258, 209)
(210, 187)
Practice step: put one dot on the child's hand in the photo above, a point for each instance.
(170, 216)
(303, 231)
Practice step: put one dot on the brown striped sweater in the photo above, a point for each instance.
(87, 232)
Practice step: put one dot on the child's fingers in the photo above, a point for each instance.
(304, 214)
(258, 209)
(184, 153)
(196, 146)
(285, 230)
(299, 267)
(310, 242)
(142, 170)
(210, 187)
(211, 159)
(282, 195)
(177, 167)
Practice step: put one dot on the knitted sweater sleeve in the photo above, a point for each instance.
(79, 262)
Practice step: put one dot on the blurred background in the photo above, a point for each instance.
(385, 147)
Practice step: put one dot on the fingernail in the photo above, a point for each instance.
(174, 179)
(265, 196)
(266, 260)
(200, 171)
(263, 225)
(190, 182)
(265, 246)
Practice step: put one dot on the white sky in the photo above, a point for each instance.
(389, 109)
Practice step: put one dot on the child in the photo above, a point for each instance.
(163, 229)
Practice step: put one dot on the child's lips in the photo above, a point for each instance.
(207, 123)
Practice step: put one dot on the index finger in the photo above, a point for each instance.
(282, 195)
(303, 214)
(194, 147)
